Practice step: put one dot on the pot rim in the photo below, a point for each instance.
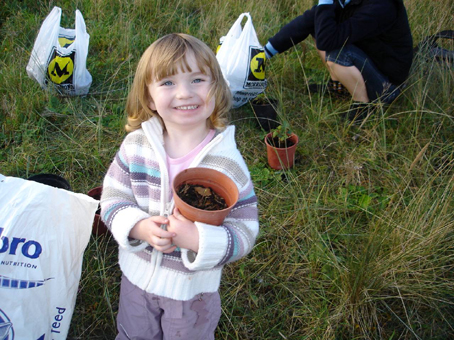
(194, 181)
(292, 136)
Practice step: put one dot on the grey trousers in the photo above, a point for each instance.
(145, 316)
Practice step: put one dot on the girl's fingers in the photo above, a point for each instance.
(178, 215)
(160, 219)
(162, 241)
(164, 233)
(169, 250)
(165, 245)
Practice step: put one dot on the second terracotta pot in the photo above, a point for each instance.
(98, 227)
(217, 181)
(281, 158)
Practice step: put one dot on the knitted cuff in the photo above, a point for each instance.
(270, 50)
(124, 221)
(213, 243)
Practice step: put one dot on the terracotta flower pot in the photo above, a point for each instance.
(281, 158)
(98, 228)
(265, 112)
(221, 184)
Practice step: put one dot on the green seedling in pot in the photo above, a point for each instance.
(280, 135)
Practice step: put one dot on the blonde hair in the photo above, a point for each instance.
(166, 57)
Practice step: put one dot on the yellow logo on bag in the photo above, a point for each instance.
(60, 69)
(256, 73)
(65, 42)
(258, 65)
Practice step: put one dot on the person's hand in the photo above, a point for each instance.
(187, 234)
(150, 231)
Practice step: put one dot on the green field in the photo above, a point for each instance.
(356, 241)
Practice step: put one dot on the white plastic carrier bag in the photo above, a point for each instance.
(59, 56)
(242, 61)
(44, 233)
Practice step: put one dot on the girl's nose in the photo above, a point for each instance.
(184, 91)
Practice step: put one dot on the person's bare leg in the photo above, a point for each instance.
(322, 55)
(351, 78)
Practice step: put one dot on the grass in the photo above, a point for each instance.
(356, 241)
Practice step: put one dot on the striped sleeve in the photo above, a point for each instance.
(233, 240)
(123, 200)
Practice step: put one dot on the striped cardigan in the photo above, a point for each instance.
(137, 186)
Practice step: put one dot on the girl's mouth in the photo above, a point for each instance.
(187, 107)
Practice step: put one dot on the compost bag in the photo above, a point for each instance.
(242, 61)
(59, 56)
(44, 232)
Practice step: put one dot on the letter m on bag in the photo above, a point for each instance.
(60, 68)
(256, 75)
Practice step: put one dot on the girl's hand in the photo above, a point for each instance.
(187, 234)
(150, 231)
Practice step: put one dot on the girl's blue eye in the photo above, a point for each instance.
(198, 80)
(167, 83)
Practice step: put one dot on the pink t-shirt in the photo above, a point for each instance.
(175, 165)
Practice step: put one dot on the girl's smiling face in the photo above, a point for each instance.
(181, 100)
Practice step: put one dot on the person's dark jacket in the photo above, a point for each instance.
(378, 27)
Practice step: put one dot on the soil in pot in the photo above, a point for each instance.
(222, 195)
(277, 143)
(201, 197)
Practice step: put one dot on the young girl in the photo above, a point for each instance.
(171, 266)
